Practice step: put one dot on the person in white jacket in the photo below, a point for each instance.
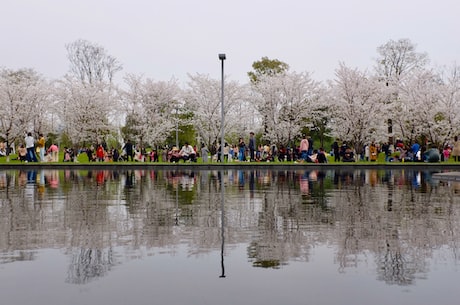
(188, 153)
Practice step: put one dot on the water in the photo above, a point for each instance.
(255, 237)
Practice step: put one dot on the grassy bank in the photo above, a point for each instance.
(83, 159)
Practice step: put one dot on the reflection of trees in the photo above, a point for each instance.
(88, 264)
(394, 222)
(285, 218)
(17, 256)
(395, 218)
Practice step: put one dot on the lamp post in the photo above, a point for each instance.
(177, 130)
(222, 184)
(222, 57)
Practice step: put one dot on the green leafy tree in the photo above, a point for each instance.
(268, 67)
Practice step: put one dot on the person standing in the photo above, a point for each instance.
(252, 146)
(373, 152)
(336, 151)
(387, 151)
(30, 146)
(129, 149)
(41, 147)
(456, 149)
(303, 148)
(367, 152)
(100, 153)
(231, 152)
(204, 153)
(241, 150)
(310, 145)
(226, 150)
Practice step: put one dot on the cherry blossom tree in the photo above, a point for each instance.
(397, 62)
(356, 110)
(203, 98)
(449, 101)
(150, 107)
(89, 105)
(85, 111)
(23, 96)
(430, 108)
(285, 101)
(417, 111)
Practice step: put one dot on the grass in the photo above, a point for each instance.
(83, 159)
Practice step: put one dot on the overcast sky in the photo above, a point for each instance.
(162, 39)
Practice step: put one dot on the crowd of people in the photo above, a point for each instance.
(407, 152)
(252, 152)
(35, 150)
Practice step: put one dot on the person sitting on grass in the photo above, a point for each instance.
(321, 156)
(187, 153)
(348, 155)
(174, 155)
(22, 153)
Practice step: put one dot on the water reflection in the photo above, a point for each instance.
(397, 219)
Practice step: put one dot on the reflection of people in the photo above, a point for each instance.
(304, 184)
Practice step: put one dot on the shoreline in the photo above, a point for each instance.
(243, 166)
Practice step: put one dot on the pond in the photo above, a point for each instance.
(259, 236)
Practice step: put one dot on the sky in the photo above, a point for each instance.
(165, 39)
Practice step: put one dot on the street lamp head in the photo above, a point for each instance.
(222, 56)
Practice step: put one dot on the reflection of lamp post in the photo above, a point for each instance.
(222, 219)
(177, 206)
(222, 57)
